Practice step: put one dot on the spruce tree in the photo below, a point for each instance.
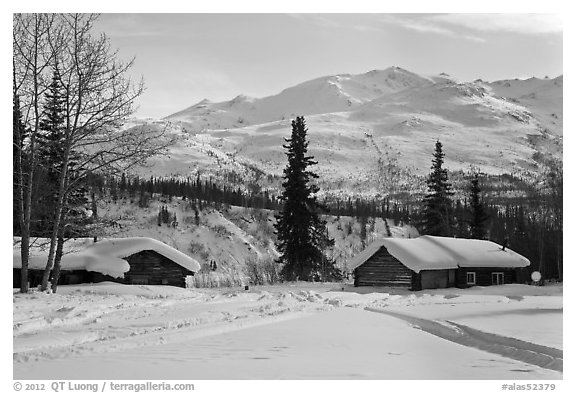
(50, 140)
(437, 215)
(363, 232)
(477, 211)
(55, 160)
(388, 229)
(51, 156)
(301, 231)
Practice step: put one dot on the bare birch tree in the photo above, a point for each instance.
(32, 55)
(99, 98)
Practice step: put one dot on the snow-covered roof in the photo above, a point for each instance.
(434, 253)
(105, 256)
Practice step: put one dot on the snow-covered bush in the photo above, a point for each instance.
(262, 271)
(212, 279)
(198, 249)
(221, 230)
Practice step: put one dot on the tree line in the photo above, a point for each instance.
(206, 190)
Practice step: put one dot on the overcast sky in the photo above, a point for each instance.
(187, 57)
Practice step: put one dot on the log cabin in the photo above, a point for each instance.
(136, 260)
(429, 262)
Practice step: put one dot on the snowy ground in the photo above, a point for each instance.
(308, 331)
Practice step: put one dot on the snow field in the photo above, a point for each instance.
(308, 331)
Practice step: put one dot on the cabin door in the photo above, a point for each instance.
(497, 278)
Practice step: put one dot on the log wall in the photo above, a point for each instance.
(431, 279)
(150, 268)
(484, 275)
(382, 269)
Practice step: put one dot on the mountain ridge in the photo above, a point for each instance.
(375, 131)
(344, 92)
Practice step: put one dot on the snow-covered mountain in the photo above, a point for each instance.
(327, 94)
(543, 97)
(373, 131)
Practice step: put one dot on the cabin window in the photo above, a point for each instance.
(497, 278)
(471, 278)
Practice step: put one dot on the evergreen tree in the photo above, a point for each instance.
(54, 160)
(122, 185)
(477, 210)
(196, 215)
(363, 233)
(113, 189)
(301, 231)
(50, 140)
(388, 230)
(349, 228)
(437, 215)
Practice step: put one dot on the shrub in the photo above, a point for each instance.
(262, 271)
(199, 249)
(211, 279)
(221, 230)
(189, 220)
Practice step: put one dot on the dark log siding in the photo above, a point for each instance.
(484, 275)
(382, 269)
(149, 267)
(67, 277)
(431, 279)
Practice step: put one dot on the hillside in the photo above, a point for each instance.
(543, 97)
(372, 133)
(231, 236)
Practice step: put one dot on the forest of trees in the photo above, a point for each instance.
(531, 226)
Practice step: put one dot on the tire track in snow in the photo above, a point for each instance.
(512, 348)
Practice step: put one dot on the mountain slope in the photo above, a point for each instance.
(543, 97)
(373, 133)
(322, 95)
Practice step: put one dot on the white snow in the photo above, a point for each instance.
(359, 125)
(321, 95)
(479, 253)
(105, 256)
(294, 331)
(435, 252)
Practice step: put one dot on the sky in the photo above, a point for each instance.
(185, 58)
